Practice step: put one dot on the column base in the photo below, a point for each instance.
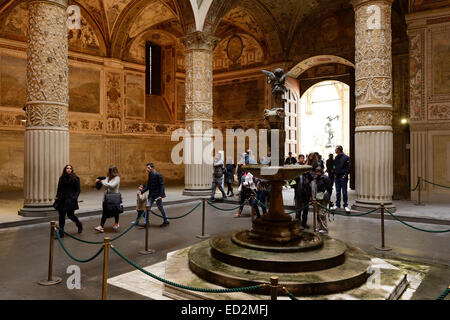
(365, 206)
(38, 211)
(197, 192)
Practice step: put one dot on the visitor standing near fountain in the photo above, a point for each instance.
(302, 198)
(229, 176)
(321, 191)
(217, 177)
(330, 172)
(342, 165)
(245, 189)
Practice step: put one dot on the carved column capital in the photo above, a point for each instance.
(62, 3)
(358, 3)
(199, 41)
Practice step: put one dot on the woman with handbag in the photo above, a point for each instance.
(67, 198)
(111, 205)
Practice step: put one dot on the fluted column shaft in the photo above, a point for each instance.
(373, 75)
(47, 134)
(199, 110)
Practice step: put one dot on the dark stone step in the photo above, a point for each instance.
(330, 255)
(348, 275)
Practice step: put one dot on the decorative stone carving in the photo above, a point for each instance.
(46, 150)
(439, 111)
(417, 75)
(373, 60)
(199, 41)
(44, 115)
(373, 90)
(47, 71)
(86, 125)
(374, 118)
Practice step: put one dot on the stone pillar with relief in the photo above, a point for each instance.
(373, 159)
(199, 112)
(46, 149)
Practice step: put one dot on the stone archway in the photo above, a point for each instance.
(340, 69)
(317, 61)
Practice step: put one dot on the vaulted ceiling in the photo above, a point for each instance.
(275, 24)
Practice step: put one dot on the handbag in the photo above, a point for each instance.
(112, 204)
(56, 204)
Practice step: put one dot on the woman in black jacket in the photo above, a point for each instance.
(67, 198)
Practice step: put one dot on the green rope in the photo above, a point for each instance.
(250, 288)
(182, 216)
(71, 256)
(298, 210)
(415, 188)
(435, 184)
(223, 209)
(101, 242)
(444, 294)
(434, 231)
(290, 295)
(348, 215)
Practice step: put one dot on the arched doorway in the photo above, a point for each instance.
(318, 69)
(324, 118)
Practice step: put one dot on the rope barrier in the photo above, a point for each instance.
(299, 210)
(398, 219)
(101, 242)
(71, 256)
(444, 294)
(182, 216)
(242, 289)
(348, 215)
(290, 295)
(435, 184)
(223, 209)
(415, 188)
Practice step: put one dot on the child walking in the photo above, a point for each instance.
(141, 203)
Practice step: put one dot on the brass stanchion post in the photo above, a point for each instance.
(106, 244)
(382, 248)
(147, 225)
(273, 288)
(203, 235)
(50, 279)
(315, 214)
(419, 192)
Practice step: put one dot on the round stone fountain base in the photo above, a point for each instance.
(330, 268)
(276, 231)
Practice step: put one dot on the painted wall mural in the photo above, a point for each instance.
(13, 82)
(15, 26)
(135, 95)
(153, 14)
(84, 90)
(238, 50)
(239, 100)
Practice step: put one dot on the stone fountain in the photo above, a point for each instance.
(306, 263)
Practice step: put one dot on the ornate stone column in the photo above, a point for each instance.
(47, 133)
(373, 157)
(199, 111)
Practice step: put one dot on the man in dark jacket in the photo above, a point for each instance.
(302, 197)
(290, 159)
(342, 166)
(330, 171)
(155, 187)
